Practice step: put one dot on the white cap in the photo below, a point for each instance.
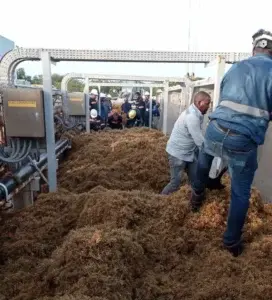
(93, 113)
(109, 95)
(94, 92)
(159, 91)
(146, 94)
(102, 95)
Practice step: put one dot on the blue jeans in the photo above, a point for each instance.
(177, 169)
(240, 152)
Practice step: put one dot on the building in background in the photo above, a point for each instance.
(5, 46)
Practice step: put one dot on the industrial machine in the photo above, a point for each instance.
(23, 148)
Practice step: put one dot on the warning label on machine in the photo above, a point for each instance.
(15, 103)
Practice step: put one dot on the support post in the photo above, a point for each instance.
(65, 104)
(49, 122)
(99, 100)
(87, 104)
(150, 108)
(165, 107)
(220, 71)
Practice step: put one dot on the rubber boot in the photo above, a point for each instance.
(215, 183)
(196, 201)
(235, 249)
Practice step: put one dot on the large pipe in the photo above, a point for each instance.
(26, 171)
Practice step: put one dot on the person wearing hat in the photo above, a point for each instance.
(237, 127)
(93, 100)
(104, 107)
(133, 117)
(115, 120)
(96, 122)
(140, 107)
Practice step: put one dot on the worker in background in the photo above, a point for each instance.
(184, 144)
(108, 101)
(237, 127)
(126, 106)
(93, 100)
(147, 108)
(155, 113)
(133, 117)
(115, 121)
(140, 107)
(104, 107)
(96, 122)
(155, 110)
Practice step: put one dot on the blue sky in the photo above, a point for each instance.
(216, 25)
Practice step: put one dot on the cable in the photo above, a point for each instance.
(63, 124)
(22, 154)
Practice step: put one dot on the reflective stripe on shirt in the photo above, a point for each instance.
(245, 109)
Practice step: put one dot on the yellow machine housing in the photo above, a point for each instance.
(76, 104)
(24, 112)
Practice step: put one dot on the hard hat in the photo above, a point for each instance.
(262, 39)
(159, 91)
(102, 95)
(132, 114)
(109, 96)
(94, 92)
(146, 94)
(93, 113)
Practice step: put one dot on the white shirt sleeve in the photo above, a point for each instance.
(194, 127)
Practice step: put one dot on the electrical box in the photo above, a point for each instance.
(76, 104)
(24, 112)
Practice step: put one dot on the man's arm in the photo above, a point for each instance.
(194, 128)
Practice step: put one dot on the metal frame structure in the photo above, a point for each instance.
(165, 86)
(14, 57)
(100, 78)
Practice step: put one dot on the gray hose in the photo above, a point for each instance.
(23, 154)
(63, 124)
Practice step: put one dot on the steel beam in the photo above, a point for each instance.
(23, 54)
(133, 84)
(103, 77)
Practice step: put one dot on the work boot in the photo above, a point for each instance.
(197, 201)
(235, 249)
(215, 184)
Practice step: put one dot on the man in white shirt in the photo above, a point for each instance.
(184, 144)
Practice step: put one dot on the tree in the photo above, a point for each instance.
(21, 73)
(37, 79)
(75, 85)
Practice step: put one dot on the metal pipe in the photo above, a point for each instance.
(26, 171)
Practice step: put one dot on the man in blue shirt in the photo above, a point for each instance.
(237, 127)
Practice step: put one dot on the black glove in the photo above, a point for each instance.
(215, 183)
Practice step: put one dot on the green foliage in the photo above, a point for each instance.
(21, 74)
(74, 85)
